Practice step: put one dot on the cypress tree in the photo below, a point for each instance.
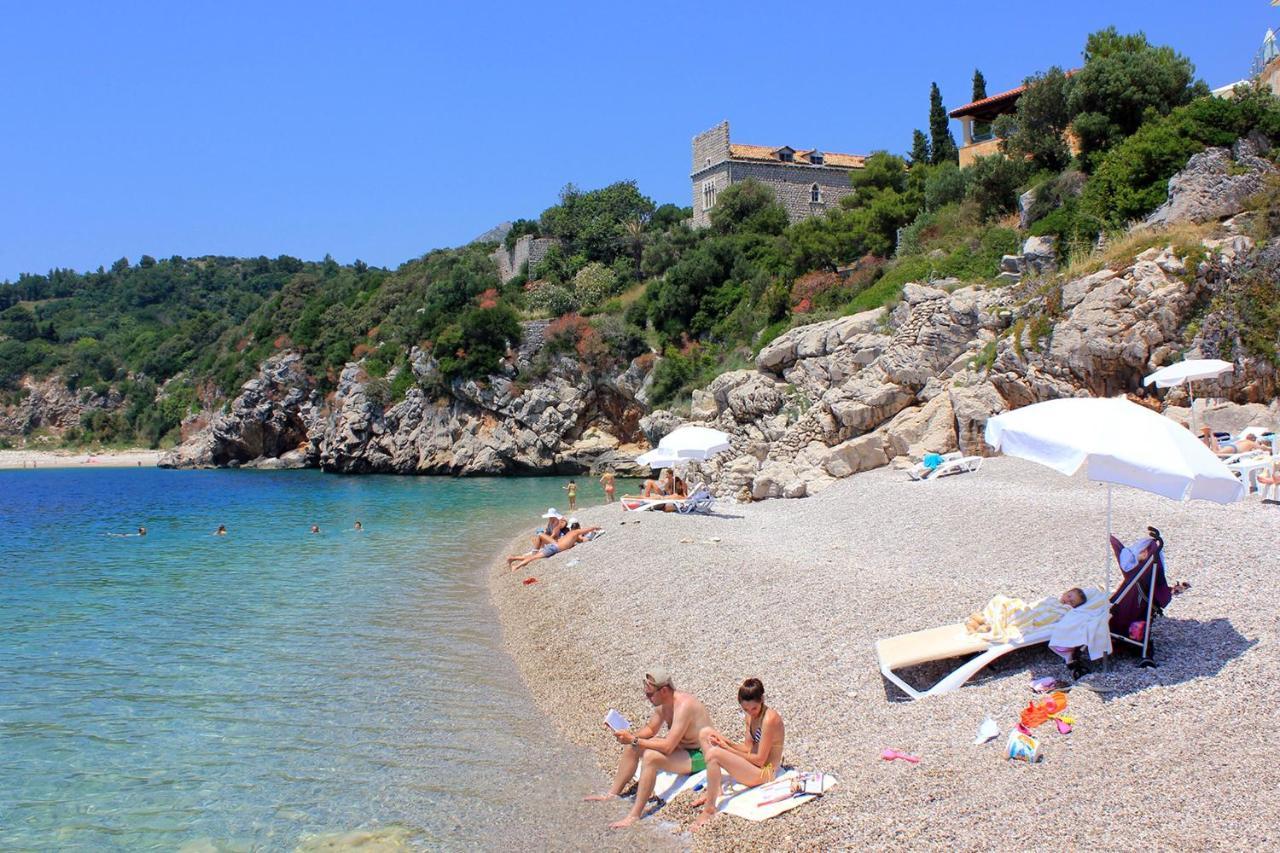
(919, 147)
(979, 85)
(942, 145)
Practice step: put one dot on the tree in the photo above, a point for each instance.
(994, 183)
(1124, 80)
(979, 85)
(1038, 127)
(748, 207)
(591, 223)
(919, 147)
(942, 145)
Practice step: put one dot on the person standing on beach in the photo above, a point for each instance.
(572, 488)
(678, 751)
(606, 480)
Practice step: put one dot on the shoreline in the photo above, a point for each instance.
(797, 592)
(38, 459)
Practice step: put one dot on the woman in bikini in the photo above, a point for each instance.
(753, 762)
(550, 547)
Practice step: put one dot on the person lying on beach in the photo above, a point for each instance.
(556, 527)
(753, 762)
(678, 751)
(1073, 598)
(1243, 445)
(550, 547)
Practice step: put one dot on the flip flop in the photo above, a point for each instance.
(891, 754)
(528, 581)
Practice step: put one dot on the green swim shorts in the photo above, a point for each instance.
(697, 761)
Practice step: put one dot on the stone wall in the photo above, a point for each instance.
(527, 250)
(720, 176)
(792, 185)
(711, 147)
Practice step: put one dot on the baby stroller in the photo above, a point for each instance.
(1142, 595)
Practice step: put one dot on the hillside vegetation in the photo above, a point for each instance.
(154, 341)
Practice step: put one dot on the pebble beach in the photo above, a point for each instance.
(140, 458)
(797, 592)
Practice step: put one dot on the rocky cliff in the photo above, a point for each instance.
(546, 412)
(834, 398)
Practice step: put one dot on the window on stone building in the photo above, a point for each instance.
(786, 155)
(815, 194)
(708, 195)
(816, 158)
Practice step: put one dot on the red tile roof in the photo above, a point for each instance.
(738, 151)
(995, 103)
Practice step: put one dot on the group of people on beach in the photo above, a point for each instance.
(691, 744)
(560, 533)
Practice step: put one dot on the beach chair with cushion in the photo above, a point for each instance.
(952, 463)
(954, 641)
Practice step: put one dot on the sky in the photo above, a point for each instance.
(380, 130)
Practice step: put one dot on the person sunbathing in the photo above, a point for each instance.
(556, 527)
(753, 762)
(678, 751)
(1231, 448)
(659, 488)
(549, 546)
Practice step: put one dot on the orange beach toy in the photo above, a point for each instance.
(1038, 713)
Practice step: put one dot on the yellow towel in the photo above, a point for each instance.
(1007, 619)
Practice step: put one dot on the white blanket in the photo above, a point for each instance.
(750, 804)
(1086, 625)
(669, 785)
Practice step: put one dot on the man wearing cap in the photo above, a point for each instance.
(556, 527)
(678, 750)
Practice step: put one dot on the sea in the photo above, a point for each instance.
(271, 689)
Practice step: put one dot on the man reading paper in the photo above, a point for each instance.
(677, 751)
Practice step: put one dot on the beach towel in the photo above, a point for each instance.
(749, 803)
(668, 785)
(1007, 619)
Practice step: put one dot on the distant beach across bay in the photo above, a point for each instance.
(132, 458)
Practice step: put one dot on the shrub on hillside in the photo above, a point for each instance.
(593, 284)
(994, 183)
(1132, 179)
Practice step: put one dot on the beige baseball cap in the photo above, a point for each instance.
(658, 677)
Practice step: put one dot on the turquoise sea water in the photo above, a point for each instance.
(270, 688)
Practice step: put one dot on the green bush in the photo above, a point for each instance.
(994, 182)
(593, 284)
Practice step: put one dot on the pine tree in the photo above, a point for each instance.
(919, 147)
(942, 145)
(979, 85)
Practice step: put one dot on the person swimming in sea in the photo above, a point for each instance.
(359, 526)
(221, 531)
(315, 528)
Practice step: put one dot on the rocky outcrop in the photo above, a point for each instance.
(273, 417)
(834, 398)
(48, 404)
(1215, 183)
(543, 414)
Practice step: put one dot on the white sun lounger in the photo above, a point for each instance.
(699, 500)
(952, 463)
(951, 641)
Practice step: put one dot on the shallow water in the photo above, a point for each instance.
(269, 689)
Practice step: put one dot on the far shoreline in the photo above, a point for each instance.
(11, 460)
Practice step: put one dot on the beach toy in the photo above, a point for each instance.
(1056, 703)
(1039, 713)
(1022, 747)
(528, 581)
(891, 754)
(1044, 685)
(1064, 725)
(988, 731)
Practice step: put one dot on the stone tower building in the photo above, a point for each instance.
(806, 183)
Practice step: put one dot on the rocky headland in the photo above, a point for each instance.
(824, 400)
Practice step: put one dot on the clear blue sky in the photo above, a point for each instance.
(381, 130)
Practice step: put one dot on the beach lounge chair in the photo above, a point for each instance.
(953, 641)
(699, 500)
(952, 463)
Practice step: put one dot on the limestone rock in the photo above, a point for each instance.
(1213, 185)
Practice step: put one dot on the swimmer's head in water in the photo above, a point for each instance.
(359, 526)
(315, 528)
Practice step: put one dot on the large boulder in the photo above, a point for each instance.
(1214, 184)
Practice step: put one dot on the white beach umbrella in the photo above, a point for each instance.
(695, 442)
(659, 457)
(1186, 372)
(1120, 443)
